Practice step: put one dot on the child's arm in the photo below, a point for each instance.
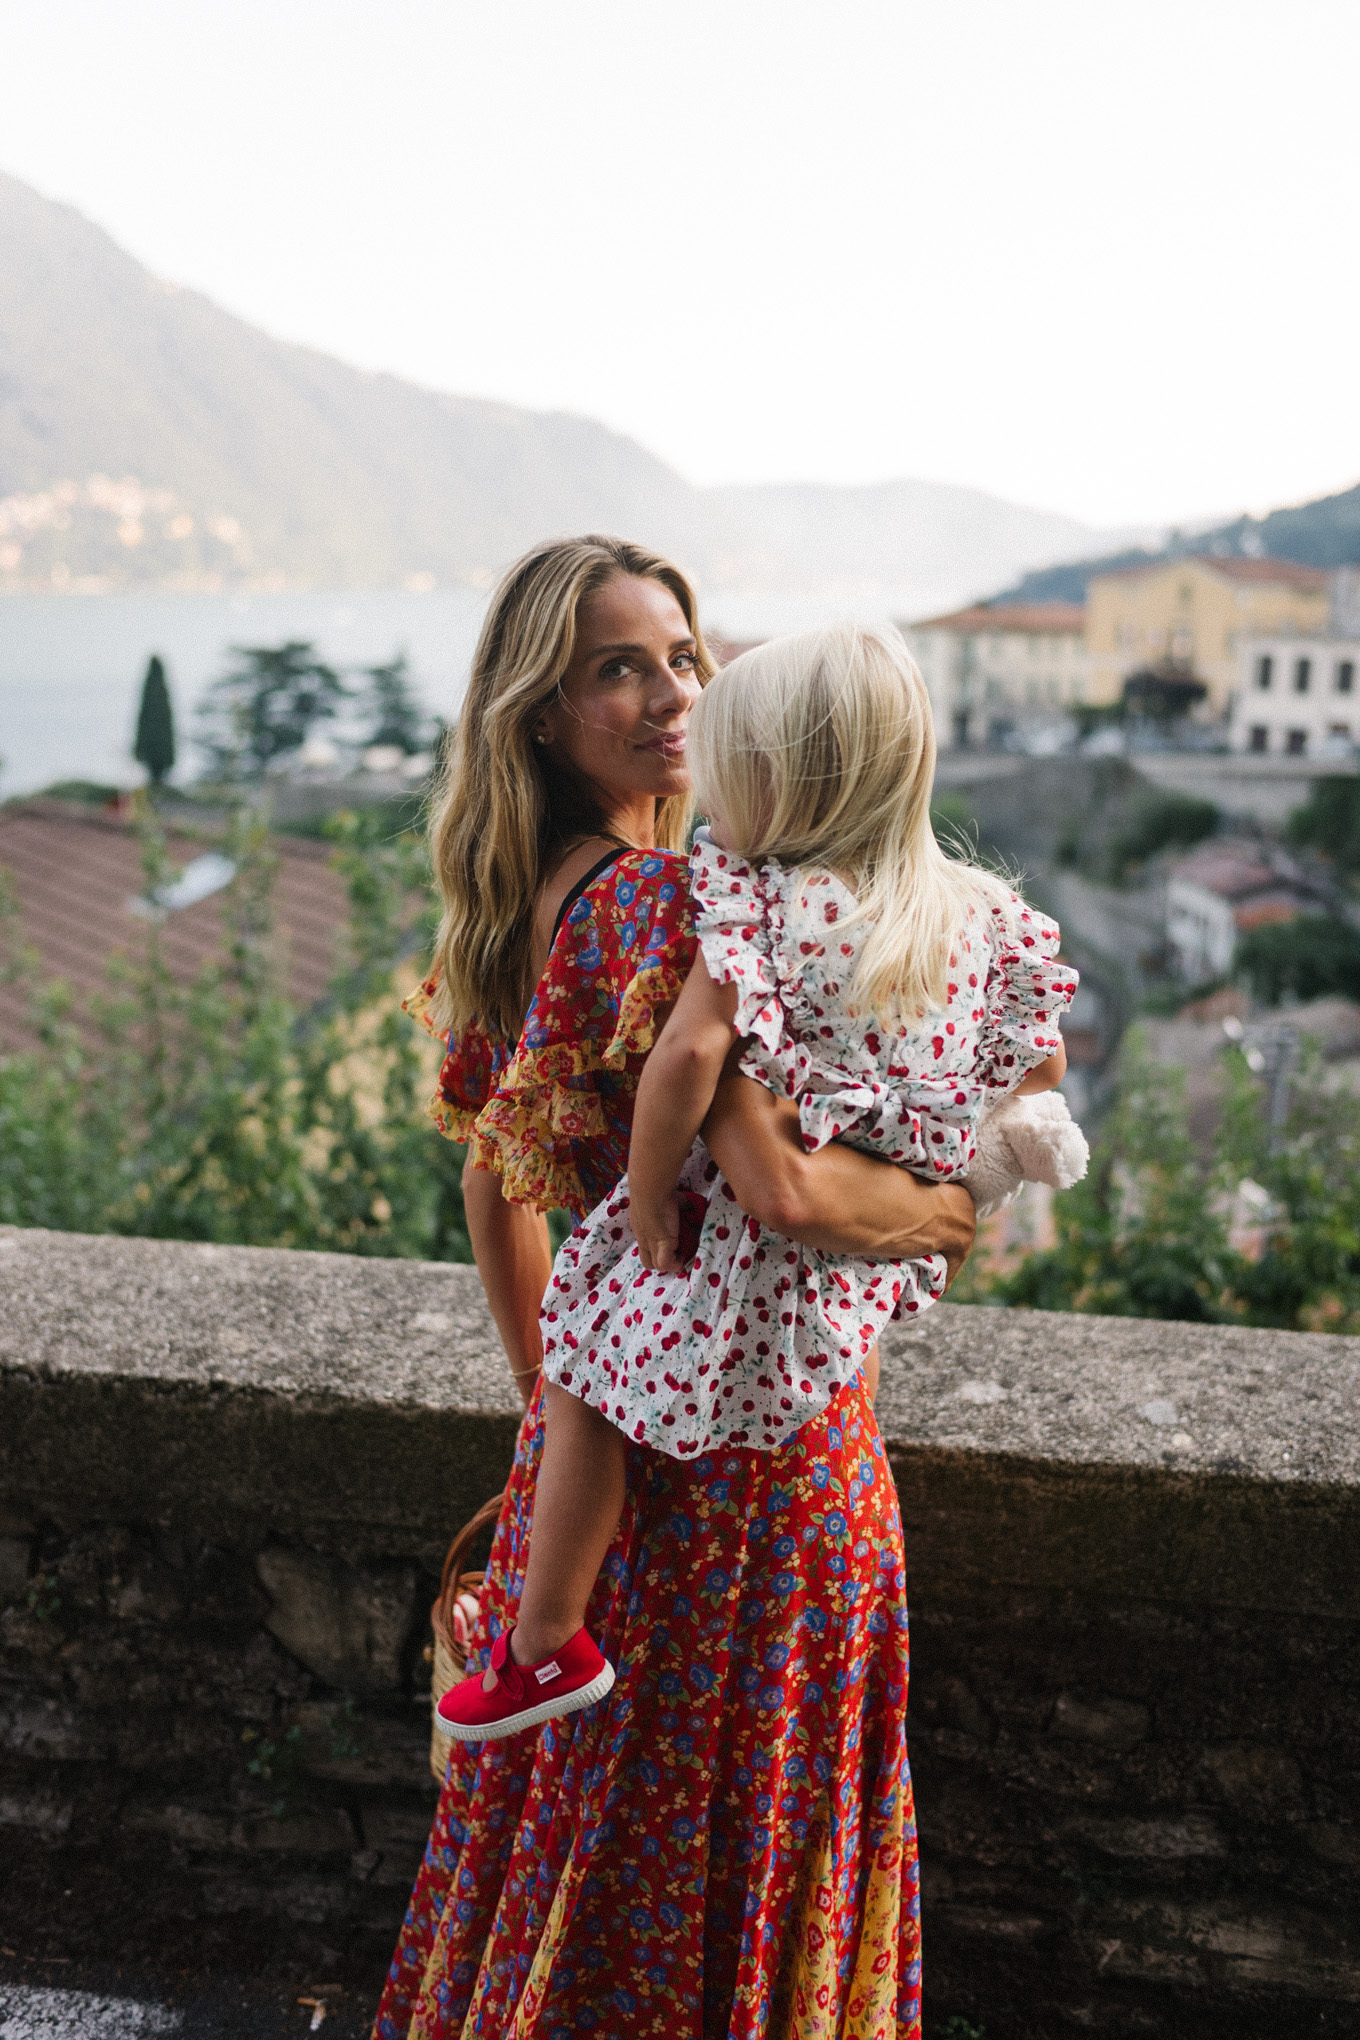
(1045, 1076)
(674, 1094)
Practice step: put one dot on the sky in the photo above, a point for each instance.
(1094, 257)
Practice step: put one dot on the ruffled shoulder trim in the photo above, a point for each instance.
(619, 960)
(738, 918)
(1029, 988)
(468, 1073)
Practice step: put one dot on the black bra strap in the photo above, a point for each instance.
(580, 886)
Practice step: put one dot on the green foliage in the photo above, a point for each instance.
(155, 743)
(1158, 821)
(218, 1111)
(952, 819)
(1329, 821)
(393, 707)
(1146, 1234)
(1307, 958)
(267, 707)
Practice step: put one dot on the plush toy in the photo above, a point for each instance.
(1024, 1139)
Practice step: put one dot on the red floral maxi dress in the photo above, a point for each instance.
(725, 1847)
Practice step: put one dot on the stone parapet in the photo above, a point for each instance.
(227, 1477)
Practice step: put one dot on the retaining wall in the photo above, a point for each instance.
(227, 1477)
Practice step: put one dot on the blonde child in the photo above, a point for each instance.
(897, 993)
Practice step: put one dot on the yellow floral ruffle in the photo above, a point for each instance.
(546, 1104)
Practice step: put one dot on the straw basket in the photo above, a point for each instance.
(451, 1617)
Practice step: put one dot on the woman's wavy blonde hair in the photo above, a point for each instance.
(819, 750)
(505, 809)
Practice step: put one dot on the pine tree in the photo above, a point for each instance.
(393, 706)
(155, 745)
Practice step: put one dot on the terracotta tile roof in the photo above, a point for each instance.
(1048, 619)
(74, 874)
(1264, 573)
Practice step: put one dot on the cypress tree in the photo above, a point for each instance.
(155, 745)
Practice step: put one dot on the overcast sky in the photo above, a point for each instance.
(1089, 255)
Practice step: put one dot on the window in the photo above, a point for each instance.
(1345, 676)
(1260, 737)
(1296, 743)
(1303, 673)
(1340, 730)
(1265, 672)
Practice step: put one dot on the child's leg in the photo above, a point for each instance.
(577, 1504)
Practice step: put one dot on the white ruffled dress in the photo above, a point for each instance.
(758, 1333)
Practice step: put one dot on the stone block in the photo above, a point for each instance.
(15, 1553)
(302, 1834)
(34, 1726)
(42, 1811)
(1255, 1776)
(347, 1624)
(1112, 1724)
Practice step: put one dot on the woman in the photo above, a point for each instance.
(725, 1846)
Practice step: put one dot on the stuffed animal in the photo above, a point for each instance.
(1024, 1139)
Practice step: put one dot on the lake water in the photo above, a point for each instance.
(71, 666)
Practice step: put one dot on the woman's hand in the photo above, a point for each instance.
(514, 1260)
(838, 1200)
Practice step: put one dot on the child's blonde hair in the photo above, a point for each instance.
(819, 750)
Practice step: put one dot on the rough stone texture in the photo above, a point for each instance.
(227, 1477)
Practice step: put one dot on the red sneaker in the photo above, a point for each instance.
(524, 1695)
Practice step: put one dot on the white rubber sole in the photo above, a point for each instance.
(531, 1717)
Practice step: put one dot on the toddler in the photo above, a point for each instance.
(897, 994)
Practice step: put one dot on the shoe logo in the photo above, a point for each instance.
(552, 1670)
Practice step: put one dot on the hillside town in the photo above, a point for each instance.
(1203, 652)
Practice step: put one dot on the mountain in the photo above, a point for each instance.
(931, 534)
(149, 438)
(1323, 533)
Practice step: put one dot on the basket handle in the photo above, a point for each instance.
(453, 1560)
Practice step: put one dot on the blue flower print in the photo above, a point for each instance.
(784, 1547)
(821, 1476)
(835, 1524)
(776, 1657)
(625, 892)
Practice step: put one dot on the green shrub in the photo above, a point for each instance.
(1307, 958)
(220, 1111)
(1329, 821)
(1146, 1233)
(1159, 821)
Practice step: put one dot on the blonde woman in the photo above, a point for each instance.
(725, 1843)
(893, 992)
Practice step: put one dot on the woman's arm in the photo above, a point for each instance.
(837, 1200)
(514, 1260)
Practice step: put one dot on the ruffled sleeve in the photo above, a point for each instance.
(468, 1073)
(735, 919)
(1029, 988)
(557, 1122)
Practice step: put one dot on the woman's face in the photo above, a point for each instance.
(620, 713)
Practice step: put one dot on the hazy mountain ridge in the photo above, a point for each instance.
(1322, 533)
(149, 438)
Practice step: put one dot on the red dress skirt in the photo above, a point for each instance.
(724, 1847)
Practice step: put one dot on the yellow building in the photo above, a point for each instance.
(1187, 618)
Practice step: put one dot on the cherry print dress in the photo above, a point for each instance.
(725, 1847)
(757, 1335)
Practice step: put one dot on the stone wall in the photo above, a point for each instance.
(227, 1478)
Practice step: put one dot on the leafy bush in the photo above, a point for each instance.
(1307, 958)
(1159, 821)
(1329, 821)
(1146, 1234)
(218, 1110)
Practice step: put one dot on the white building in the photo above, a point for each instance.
(1298, 697)
(993, 669)
(1219, 892)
